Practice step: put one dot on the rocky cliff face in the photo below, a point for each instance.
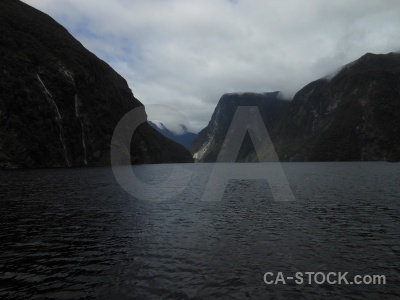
(59, 103)
(354, 115)
(208, 143)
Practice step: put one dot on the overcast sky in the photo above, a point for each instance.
(187, 53)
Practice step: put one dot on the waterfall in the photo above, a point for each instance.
(49, 97)
(83, 144)
(77, 114)
(76, 106)
(70, 75)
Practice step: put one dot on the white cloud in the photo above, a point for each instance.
(186, 54)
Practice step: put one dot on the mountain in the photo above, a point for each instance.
(59, 103)
(353, 115)
(208, 143)
(185, 138)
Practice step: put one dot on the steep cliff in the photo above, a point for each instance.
(59, 103)
(208, 143)
(352, 115)
(355, 115)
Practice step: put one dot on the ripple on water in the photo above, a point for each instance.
(74, 233)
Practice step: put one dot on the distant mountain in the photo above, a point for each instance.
(208, 143)
(59, 103)
(353, 115)
(185, 138)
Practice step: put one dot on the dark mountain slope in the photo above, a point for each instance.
(208, 143)
(353, 116)
(59, 103)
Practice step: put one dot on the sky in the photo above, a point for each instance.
(185, 54)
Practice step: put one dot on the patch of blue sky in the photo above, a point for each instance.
(107, 46)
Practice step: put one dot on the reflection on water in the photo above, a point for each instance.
(75, 233)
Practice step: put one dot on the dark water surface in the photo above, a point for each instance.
(76, 234)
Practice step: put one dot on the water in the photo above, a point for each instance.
(75, 234)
